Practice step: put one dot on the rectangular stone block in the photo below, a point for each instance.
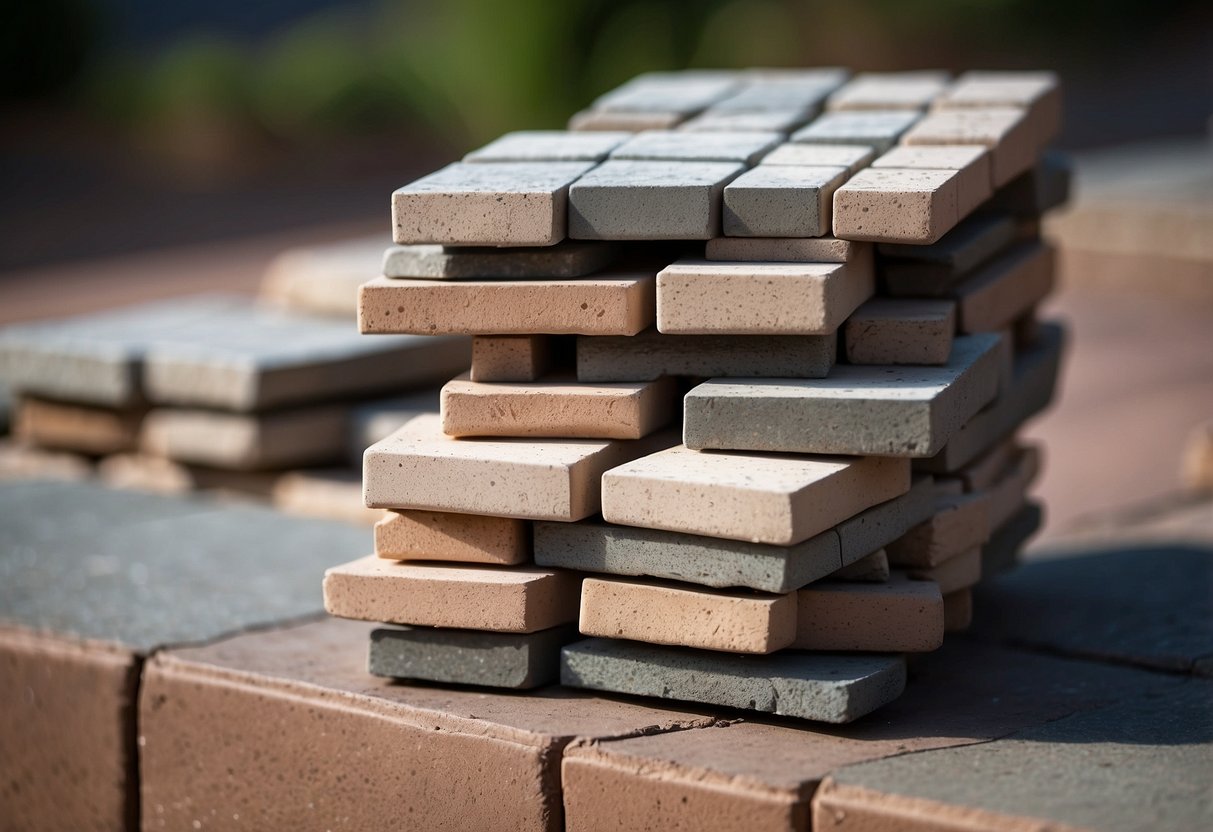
(823, 688)
(549, 146)
(957, 611)
(781, 201)
(700, 297)
(873, 568)
(959, 524)
(781, 500)
(651, 355)
(901, 616)
(609, 304)
(570, 258)
(878, 129)
(930, 271)
(85, 429)
(517, 661)
(646, 200)
(891, 411)
(789, 250)
(1005, 289)
(954, 574)
(747, 121)
(1007, 132)
(888, 205)
(444, 536)
(853, 157)
(733, 622)
(804, 93)
(685, 92)
(488, 204)
(542, 479)
(558, 407)
(629, 122)
(513, 358)
(901, 331)
(972, 162)
(878, 526)
(471, 597)
(1037, 92)
(889, 91)
(678, 146)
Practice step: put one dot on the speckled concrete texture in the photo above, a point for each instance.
(890, 205)
(901, 616)
(971, 162)
(444, 536)
(571, 258)
(781, 201)
(1009, 133)
(889, 91)
(745, 147)
(901, 331)
(853, 157)
(788, 250)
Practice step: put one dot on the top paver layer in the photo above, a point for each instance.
(679, 146)
(549, 146)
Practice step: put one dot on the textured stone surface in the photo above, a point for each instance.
(929, 271)
(571, 258)
(516, 357)
(651, 355)
(889, 91)
(853, 157)
(901, 331)
(873, 568)
(757, 121)
(700, 297)
(677, 146)
(889, 205)
(646, 200)
(820, 687)
(971, 161)
(549, 146)
(885, 522)
(609, 304)
(679, 92)
(541, 479)
(85, 429)
(443, 536)
(1005, 289)
(781, 500)
(954, 574)
(876, 129)
(959, 523)
(782, 249)
(520, 661)
(558, 407)
(732, 622)
(781, 201)
(1008, 132)
(767, 90)
(487, 204)
(901, 616)
(898, 411)
(472, 597)
(1037, 92)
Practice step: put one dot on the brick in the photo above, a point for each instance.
(894, 205)
(1006, 132)
(1046, 186)
(883, 523)
(957, 610)
(959, 524)
(85, 429)
(930, 271)
(781, 201)
(873, 568)
(540, 479)
(733, 622)
(824, 688)
(853, 157)
(558, 407)
(781, 500)
(651, 355)
(443, 536)
(487, 204)
(901, 331)
(701, 297)
(609, 304)
(1037, 92)
(610, 121)
(1005, 289)
(878, 129)
(644, 200)
(790, 250)
(802, 94)
(685, 92)
(954, 574)
(889, 91)
(739, 121)
(322, 279)
(892, 411)
(972, 163)
(21, 462)
(548, 146)
(570, 258)
(519, 661)
(516, 358)
(678, 146)
(326, 493)
(468, 596)
(901, 616)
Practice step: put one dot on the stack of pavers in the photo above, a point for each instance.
(848, 469)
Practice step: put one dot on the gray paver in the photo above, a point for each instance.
(571, 258)
(878, 128)
(669, 92)
(757, 121)
(781, 201)
(550, 146)
(745, 147)
(930, 271)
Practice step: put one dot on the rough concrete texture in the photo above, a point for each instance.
(885, 522)
(1005, 289)
(929, 271)
(892, 411)
(549, 146)
(815, 686)
(590, 120)
(443, 536)
(519, 661)
(1037, 92)
(781, 201)
(972, 162)
(609, 304)
(322, 279)
(960, 523)
(954, 574)
(853, 157)
(745, 147)
(890, 205)
(420, 467)
(1009, 133)
(299, 703)
(957, 610)
(488, 204)
(471, 597)
(82, 428)
(571, 258)
(781, 500)
(701, 297)
(732, 622)
(558, 407)
(873, 568)
(752, 121)
(879, 130)
(901, 331)
(328, 493)
(21, 462)
(652, 354)
(889, 91)
(645, 200)
(900, 616)
(782, 249)
(1142, 763)
(515, 357)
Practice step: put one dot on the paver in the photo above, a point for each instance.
(379, 419)
(444, 536)
(901, 331)
(491, 203)
(549, 146)
(889, 91)
(570, 258)
(1005, 289)
(954, 574)
(897, 411)
(1037, 92)
(517, 357)
(781, 500)
(878, 129)
(901, 616)
(758, 121)
(929, 271)
(744, 147)
(733, 622)
(1012, 139)
(700, 297)
(781, 201)
(889, 205)
(86, 429)
(853, 157)
(883, 523)
(624, 199)
(873, 568)
(972, 162)
(681, 92)
(959, 524)
(632, 122)
(770, 93)
(1043, 188)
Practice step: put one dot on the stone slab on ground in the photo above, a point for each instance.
(902, 411)
(80, 428)
(817, 686)
(853, 157)
(444, 536)
(519, 661)
(879, 130)
(608, 304)
(892, 205)
(780, 500)
(420, 467)
(549, 146)
(781, 201)
(788, 250)
(745, 147)
(929, 271)
(900, 616)
(901, 331)
(571, 258)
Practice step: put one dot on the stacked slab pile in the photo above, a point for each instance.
(848, 467)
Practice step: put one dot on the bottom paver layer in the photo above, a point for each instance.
(818, 686)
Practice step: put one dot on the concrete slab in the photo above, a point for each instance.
(548, 146)
(876, 129)
(631, 122)
(901, 331)
(896, 205)
(570, 258)
(900, 616)
(1037, 92)
(853, 157)
(1046, 186)
(444, 536)
(872, 568)
(745, 147)
(782, 249)
(379, 419)
(684, 92)
(763, 94)
(954, 574)
(781, 201)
